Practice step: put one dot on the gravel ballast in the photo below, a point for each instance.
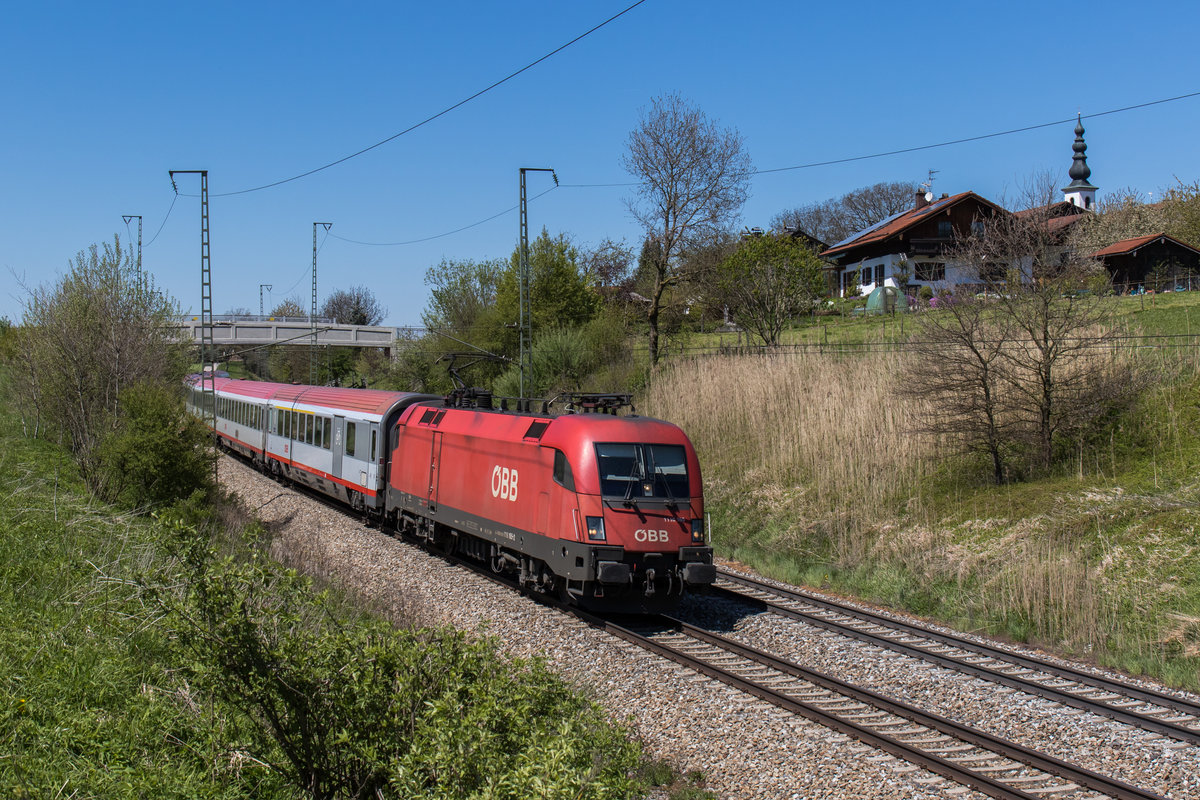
(747, 748)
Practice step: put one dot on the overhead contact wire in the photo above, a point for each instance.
(441, 113)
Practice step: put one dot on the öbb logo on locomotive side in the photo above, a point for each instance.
(504, 483)
(650, 535)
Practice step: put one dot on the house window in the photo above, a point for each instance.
(879, 274)
(849, 280)
(931, 271)
(945, 231)
(977, 228)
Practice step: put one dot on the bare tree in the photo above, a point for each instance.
(611, 266)
(1031, 364)
(354, 306)
(838, 218)
(289, 308)
(954, 380)
(693, 177)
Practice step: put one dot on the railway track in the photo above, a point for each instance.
(986, 763)
(958, 753)
(1152, 711)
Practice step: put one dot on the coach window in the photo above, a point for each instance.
(562, 471)
(327, 434)
(351, 429)
(374, 436)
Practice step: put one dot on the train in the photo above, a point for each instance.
(600, 508)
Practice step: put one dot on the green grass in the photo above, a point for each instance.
(1170, 314)
(89, 703)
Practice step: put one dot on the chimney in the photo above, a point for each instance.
(921, 202)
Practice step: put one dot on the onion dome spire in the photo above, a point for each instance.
(1079, 169)
(1079, 192)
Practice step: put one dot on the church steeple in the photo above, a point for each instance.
(1079, 192)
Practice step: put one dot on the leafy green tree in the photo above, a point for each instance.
(562, 360)
(461, 294)
(8, 339)
(767, 280)
(561, 293)
(102, 329)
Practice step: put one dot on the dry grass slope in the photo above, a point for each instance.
(813, 474)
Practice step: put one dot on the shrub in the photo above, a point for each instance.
(157, 454)
(355, 708)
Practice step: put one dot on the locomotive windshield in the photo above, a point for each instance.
(638, 471)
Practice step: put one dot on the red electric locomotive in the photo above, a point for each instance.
(606, 510)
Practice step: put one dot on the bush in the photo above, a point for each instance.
(355, 708)
(157, 454)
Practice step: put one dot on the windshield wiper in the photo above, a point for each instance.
(654, 474)
(629, 502)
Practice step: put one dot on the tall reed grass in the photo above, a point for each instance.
(814, 473)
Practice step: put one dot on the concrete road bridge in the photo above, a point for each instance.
(253, 331)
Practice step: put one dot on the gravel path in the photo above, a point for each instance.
(747, 748)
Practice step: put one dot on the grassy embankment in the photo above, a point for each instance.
(813, 476)
(117, 634)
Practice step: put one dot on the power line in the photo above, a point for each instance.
(974, 138)
(164, 222)
(442, 235)
(441, 113)
(796, 167)
(918, 148)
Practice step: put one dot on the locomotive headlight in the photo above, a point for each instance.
(698, 531)
(595, 529)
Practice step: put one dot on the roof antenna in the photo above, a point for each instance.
(928, 185)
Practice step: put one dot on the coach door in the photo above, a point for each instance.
(435, 468)
(339, 436)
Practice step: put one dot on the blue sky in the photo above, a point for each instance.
(101, 100)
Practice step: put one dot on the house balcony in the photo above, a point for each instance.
(929, 246)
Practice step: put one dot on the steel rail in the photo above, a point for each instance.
(992, 787)
(1061, 695)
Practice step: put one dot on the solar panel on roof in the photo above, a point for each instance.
(870, 228)
(929, 209)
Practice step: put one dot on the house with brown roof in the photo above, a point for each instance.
(1157, 261)
(910, 248)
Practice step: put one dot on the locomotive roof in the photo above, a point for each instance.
(367, 401)
(553, 430)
